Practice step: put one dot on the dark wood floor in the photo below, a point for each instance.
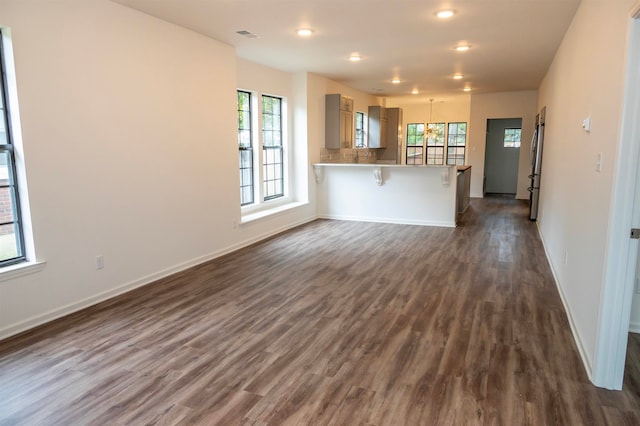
(331, 323)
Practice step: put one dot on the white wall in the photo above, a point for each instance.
(520, 104)
(129, 128)
(350, 192)
(585, 79)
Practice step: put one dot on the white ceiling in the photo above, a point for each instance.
(512, 41)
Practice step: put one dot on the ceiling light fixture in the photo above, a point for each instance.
(467, 89)
(415, 91)
(458, 77)
(444, 14)
(430, 132)
(396, 80)
(305, 32)
(463, 48)
(355, 57)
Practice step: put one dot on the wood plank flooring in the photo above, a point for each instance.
(332, 323)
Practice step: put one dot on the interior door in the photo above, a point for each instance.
(501, 156)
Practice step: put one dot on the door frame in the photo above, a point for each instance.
(622, 252)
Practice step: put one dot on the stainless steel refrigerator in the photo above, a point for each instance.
(536, 164)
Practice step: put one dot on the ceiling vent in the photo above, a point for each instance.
(246, 34)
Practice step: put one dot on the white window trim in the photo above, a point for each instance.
(30, 263)
(261, 208)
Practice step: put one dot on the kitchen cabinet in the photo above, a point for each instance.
(338, 122)
(393, 137)
(377, 127)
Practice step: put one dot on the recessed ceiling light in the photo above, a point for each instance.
(444, 14)
(305, 32)
(463, 48)
(396, 81)
(415, 91)
(458, 77)
(467, 89)
(355, 57)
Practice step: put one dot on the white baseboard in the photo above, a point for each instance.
(574, 331)
(54, 314)
(446, 224)
(634, 327)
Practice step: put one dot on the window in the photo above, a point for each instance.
(415, 143)
(360, 139)
(11, 232)
(245, 145)
(272, 149)
(456, 143)
(435, 143)
(512, 138)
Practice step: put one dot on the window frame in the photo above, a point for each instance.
(262, 205)
(435, 147)
(267, 178)
(457, 147)
(361, 140)
(512, 143)
(12, 178)
(415, 147)
(250, 183)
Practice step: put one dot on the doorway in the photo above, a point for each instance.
(502, 156)
(622, 258)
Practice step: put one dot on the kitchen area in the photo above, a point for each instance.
(371, 181)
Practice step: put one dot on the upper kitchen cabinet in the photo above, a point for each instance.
(338, 122)
(377, 127)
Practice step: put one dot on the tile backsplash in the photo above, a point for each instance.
(348, 155)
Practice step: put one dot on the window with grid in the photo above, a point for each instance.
(456, 143)
(245, 146)
(415, 143)
(272, 149)
(435, 143)
(360, 139)
(11, 231)
(512, 138)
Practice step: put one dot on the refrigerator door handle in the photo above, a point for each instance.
(534, 143)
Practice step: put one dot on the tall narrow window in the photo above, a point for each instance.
(415, 143)
(435, 143)
(360, 139)
(272, 149)
(11, 235)
(245, 146)
(456, 143)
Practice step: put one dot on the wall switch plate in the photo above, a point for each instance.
(586, 124)
(99, 262)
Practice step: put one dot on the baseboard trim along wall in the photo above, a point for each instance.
(634, 327)
(445, 224)
(574, 331)
(54, 314)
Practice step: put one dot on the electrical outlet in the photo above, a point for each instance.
(566, 257)
(99, 262)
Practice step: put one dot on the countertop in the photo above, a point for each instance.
(381, 165)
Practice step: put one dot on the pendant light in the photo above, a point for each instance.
(430, 129)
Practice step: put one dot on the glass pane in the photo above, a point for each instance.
(6, 171)
(3, 131)
(8, 242)
(7, 203)
(414, 155)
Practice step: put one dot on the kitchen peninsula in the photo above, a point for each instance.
(392, 193)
